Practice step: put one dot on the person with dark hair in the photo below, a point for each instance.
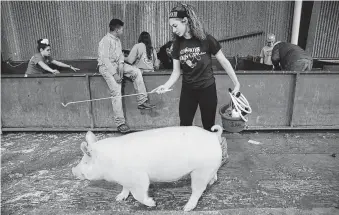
(290, 57)
(39, 63)
(113, 69)
(192, 51)
(143, 55)
(165, 55)
(116, 24)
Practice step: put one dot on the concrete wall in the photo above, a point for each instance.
(284, 100)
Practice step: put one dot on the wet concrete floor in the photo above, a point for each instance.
(278, 173)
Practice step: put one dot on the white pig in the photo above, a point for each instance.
(158, 155)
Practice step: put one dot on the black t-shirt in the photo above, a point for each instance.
(196, 60)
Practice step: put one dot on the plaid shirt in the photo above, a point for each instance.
(110, 51)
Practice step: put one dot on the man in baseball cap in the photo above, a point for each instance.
(266, 51)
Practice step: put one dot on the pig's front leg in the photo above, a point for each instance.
(123, 195)
(139, 189)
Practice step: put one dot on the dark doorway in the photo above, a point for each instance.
(306, 14)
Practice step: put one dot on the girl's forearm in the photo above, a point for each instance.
(175, 74)
(173, 78)
(230, 71)
(47, 68)
(227, 67)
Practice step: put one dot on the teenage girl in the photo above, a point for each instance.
(192, 50)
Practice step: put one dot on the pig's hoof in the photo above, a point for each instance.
(121, 196)
(214, 179)
(189, 206)
(150, 202)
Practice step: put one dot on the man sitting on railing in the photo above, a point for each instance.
(112, 68)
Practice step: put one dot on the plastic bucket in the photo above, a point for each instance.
(229, 123)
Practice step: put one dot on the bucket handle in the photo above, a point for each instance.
(240, 103)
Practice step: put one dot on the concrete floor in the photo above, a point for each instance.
(283, 173)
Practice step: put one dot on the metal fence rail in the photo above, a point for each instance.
(279, 99)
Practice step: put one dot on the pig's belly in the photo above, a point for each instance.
(168, 173)
(168, 165)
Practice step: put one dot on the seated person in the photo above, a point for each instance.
(266, 51)
(39, 62)
(143, 55)
(290, 57)
(113, 70)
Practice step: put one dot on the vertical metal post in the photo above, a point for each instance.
(293, 100)
(296, 21)
(90, 103)
(124, 11)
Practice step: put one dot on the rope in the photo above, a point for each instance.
(14, 65)
(135, 94)
(241, 104)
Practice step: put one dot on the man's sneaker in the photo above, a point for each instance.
(123, 128)
(146, 105)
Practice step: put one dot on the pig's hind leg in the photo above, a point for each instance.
(139, 190)
(199, 180)
(214, 179)
(123, 195)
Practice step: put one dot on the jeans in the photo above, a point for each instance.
(206, 99)
(115, 89)
(300, 65)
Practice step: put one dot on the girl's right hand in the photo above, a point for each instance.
(160, 90)
(117, 78)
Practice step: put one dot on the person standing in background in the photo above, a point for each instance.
(266, 51)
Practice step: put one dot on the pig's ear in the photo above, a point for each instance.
(84, 149)
(91, 138)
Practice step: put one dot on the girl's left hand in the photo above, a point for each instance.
(134, 76)
(74, 69)
(236, 88)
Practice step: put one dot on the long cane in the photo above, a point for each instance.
(108, 98)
